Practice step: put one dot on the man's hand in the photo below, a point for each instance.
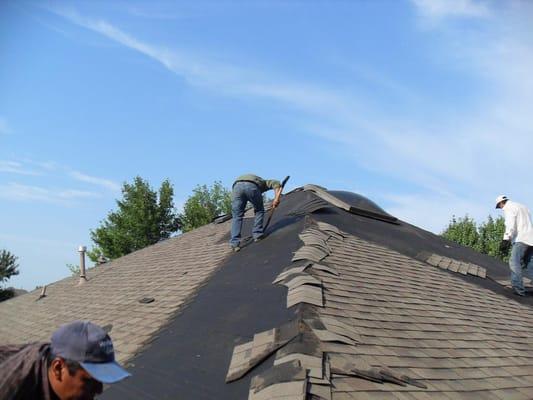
(277, 197)
(505, 245)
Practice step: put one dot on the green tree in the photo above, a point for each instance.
(484, 238)
(463, 231)
(491, 234)
(74, 269)
(144, 217)
(8, 268)
(205, 204)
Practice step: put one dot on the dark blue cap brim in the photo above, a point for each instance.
(105, 372)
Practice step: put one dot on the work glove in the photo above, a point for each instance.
(505, 245)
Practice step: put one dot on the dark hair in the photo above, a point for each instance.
(72, 366)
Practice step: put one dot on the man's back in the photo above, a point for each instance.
(518, 225)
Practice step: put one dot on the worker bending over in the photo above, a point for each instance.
(250, 188)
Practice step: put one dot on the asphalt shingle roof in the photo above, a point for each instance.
(170, 272)
(332, 304)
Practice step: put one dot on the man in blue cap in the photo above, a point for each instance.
(74, 366)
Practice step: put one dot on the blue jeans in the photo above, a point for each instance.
(242, 193)
(520, 256)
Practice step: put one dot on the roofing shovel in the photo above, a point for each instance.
(273, 208)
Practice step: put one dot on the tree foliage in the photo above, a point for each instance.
(8, 268)
(143, 217)
(205, 204)
(484, 238)
(74, 269)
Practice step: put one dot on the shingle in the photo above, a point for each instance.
(282, 391)
(305, 294)
(310, 253)
(121, 283)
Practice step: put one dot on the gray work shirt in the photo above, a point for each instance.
(263, 184)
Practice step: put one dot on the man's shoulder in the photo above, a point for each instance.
(513, 205)
(249, 177)
(22, 351)
(21, 372)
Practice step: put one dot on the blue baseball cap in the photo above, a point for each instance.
(91, 346)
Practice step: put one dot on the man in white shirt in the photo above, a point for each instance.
(519, 234)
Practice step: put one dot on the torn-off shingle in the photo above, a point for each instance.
(313, 364)
(453, 265)
(320, 330)
(305, 294)
(322, 391)
(434, 260)
(316, 242)
(336, 326)
(292, 270)
(282, 391)
(309, 253)
(473, 269)
(281, 373)
(247, 355)
(463, 268)
(325, 268)
(296, 280)
(323, 226)
(326, 379)
(361, 369)
(314, 232)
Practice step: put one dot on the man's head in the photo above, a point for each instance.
(501, 200)
(81, 359)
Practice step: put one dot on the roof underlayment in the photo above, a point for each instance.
(339, 301)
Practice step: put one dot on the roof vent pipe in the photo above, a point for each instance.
(83, 278)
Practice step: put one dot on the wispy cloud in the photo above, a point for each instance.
(175, 62)
(15, 167)
(20, 192)
(453, 155)
(452, 8)
(47, 172)
(208, 73)
(106, 183)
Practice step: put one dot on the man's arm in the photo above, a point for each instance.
(510, 224)
(510, 231)
(277, 196)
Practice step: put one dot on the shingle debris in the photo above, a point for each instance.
(453, 265)
(248, 355)
(324, 347)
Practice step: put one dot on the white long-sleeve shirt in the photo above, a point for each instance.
(518, 226)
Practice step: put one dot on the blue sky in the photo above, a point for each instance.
(423, 106)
